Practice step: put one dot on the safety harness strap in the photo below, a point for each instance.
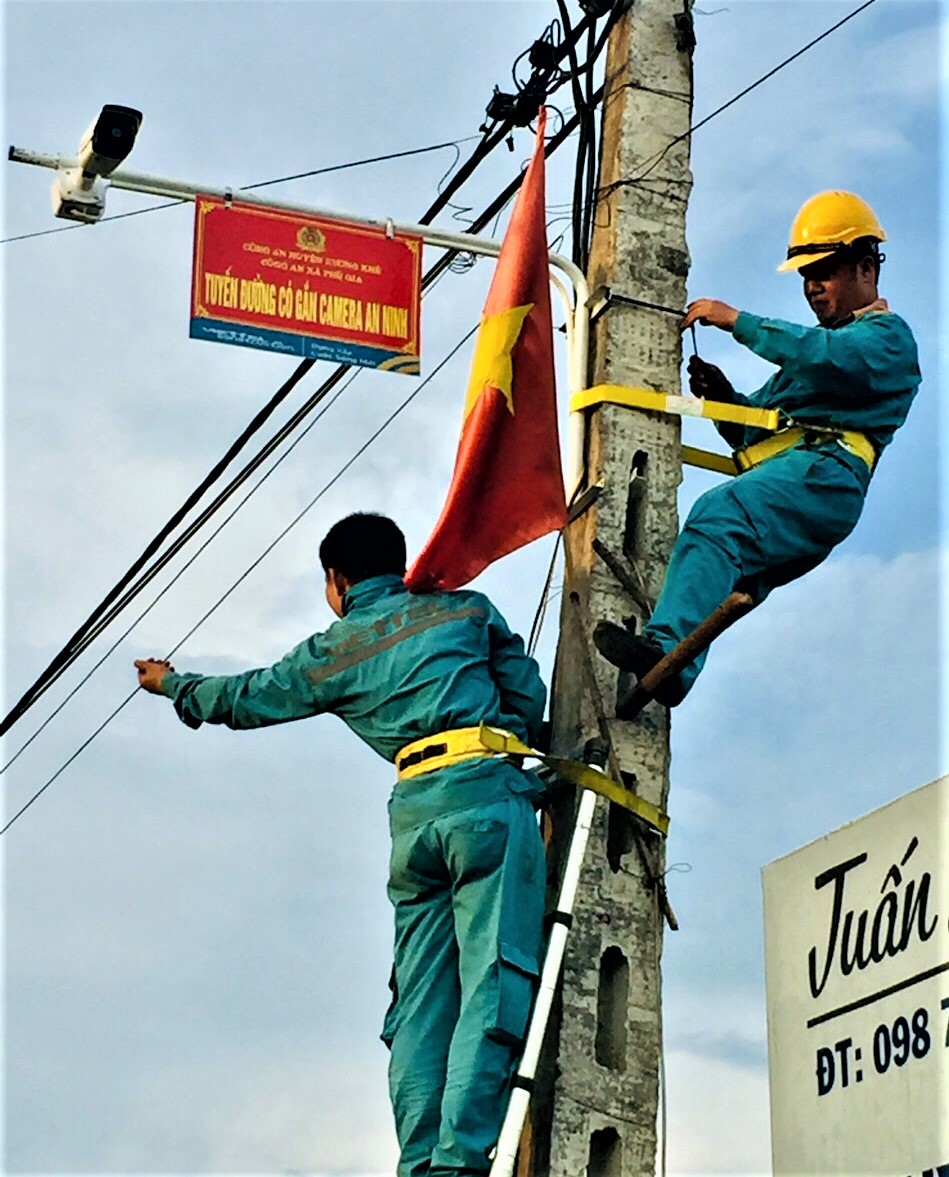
(709, 460)
(680, 406)
(748, 415)
(439, 751)
(458, 744)
(850, 439)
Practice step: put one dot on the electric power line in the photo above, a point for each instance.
(259, 560)
(73, 646)
(180, 541)
(546, 595)
(584, 109)
(787, 61)
(178, 575)
(62, 659)
(650, 166)
(67, 655)
(653, 162)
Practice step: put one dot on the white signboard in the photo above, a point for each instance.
(857, 955)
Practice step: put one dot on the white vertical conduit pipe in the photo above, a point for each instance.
(578, 330)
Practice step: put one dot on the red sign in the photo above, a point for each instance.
(292, 283)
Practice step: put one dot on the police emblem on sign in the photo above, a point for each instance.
(309, 237)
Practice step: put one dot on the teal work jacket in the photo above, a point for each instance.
(397, 667)
(861, 375)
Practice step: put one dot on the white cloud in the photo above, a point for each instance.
(860, 110)
(720, 1117)
(723, 1022)
(329, 1116)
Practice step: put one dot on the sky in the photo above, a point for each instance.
(197, 939)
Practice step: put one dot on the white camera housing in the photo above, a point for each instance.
(79, 191)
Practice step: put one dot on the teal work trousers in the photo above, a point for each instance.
(467, 886)
(755, 532)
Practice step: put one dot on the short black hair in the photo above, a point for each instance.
(866, 247)
(363, 545)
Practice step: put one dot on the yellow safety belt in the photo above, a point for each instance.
(679, 406)
(749, 415)
(467, 743)
(856, 443)
(709, 460)
(439, 751)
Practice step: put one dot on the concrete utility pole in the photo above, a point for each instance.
(595, 1110)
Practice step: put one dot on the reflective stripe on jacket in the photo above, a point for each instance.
(397, 667)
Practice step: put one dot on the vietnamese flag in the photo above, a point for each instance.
(507, 487)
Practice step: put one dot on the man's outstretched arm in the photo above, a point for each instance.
(255, 698)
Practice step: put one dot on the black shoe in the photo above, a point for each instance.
(629, 651)
(636, 655)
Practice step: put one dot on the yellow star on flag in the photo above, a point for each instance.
(491, 366)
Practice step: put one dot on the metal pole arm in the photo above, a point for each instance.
(188, 190)
(578, 314)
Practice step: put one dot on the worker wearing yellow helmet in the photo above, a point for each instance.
(842, 388)
(828, 224)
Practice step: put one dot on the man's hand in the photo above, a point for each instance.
(711, 313)
(706, 380)
(151, 672)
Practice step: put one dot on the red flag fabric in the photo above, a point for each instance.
(507, 487)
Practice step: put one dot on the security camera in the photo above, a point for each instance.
(79, 191)
(108, 140)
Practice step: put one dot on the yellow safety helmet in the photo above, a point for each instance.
(827, 222)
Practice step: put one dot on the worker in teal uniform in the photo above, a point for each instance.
(842, 387)
(413, 676)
